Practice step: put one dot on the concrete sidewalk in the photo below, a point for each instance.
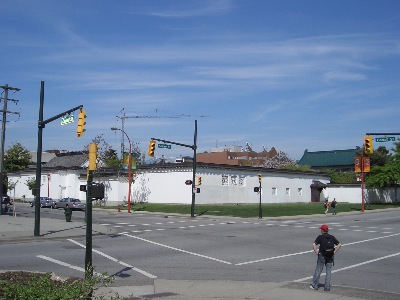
(21, 229)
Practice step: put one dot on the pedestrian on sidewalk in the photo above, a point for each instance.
(334, 206)
(327, 205)
(328, 245)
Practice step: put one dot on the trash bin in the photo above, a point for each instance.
(68, 214)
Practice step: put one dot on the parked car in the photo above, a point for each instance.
(73, 203)
(45, 202)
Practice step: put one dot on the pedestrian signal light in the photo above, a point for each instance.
(93, 148)
(368, 148)
(199, 180)
(152, 148)
(259, 178)
(81, 123)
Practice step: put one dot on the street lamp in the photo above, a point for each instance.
(129, 167)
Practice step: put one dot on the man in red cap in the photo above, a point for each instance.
(328, 246)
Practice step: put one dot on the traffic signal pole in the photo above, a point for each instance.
(88, 217)
(194, 147)
(368, 149)
(260, 207)
(41, 125)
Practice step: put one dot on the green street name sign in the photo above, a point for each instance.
(164, 146)
(386, 139)
(67, 120)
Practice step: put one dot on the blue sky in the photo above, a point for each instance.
(293, 75)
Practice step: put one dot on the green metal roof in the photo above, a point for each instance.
(328, 158)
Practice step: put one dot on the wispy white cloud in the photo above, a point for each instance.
(195, 9)
(331, 76)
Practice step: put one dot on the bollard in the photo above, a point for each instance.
(119, 208)
(68, 214)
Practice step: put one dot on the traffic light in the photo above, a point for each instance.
(93, 157)
(199, 180)
(152, 148)
(81, 123)
(259, 178)
(368, 148)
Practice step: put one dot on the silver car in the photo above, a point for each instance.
(72, 203)
(44, 202)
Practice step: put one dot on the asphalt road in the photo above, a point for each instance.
(221, 248)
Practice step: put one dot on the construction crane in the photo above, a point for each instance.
(124, 116)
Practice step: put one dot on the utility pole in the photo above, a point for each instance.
(5, 88)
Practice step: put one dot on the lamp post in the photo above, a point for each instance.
(129, 167)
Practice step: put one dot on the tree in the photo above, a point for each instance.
(279, 161)
(341, 177)
(388, 174)
(16, 158)
(380, 156)
(110, 158)
(31, 183)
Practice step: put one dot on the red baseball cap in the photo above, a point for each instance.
(324, 227)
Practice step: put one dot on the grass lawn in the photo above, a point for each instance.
(252, 210)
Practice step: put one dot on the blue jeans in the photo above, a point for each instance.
(318, 271)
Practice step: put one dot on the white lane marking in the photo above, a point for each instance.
(304, 252)
(122, 223)
(115, 260)
(271, 258)
(64, 264)
(177, 249)
(352, 266)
